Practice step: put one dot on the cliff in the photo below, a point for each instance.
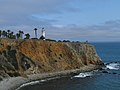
(25, 57)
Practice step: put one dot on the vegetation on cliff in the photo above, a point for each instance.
(19, 35)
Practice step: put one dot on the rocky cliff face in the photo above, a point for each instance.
(23, 57)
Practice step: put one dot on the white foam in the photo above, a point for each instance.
(83, 75)
(35, 82)
(114, 66)
(43, 80)
(26, 84)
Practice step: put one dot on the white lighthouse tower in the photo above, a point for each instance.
(43, 34)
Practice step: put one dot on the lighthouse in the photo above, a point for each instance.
(43, 34)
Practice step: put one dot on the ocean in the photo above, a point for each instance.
(107, 79)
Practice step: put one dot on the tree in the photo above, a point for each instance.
(17, 35)
(66, 41)
(0, 33)
(50, 40)
(35, 29)
(8, 33)
(59, 41)
(27, 36)
(4, 34)
(21, 34)
(11, 36)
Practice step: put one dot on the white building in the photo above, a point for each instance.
(43, 34)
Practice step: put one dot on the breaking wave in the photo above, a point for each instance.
(109, 66)
(36, 82)
(113, 66)
(83, 75)
(26, 84)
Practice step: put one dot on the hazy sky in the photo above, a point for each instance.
(92, 20)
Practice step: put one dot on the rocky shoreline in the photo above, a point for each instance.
(13, 83)
(23, 61)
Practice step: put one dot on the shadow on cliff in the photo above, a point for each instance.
(14, 63)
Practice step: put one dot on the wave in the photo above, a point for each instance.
(110, 66)
(26, 84)
(36, 82)
(83, 75)
(113, 66)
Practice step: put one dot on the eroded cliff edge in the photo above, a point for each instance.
(25, 57)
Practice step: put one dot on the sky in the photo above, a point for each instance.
(75, 20)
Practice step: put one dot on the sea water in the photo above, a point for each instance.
(107, 79)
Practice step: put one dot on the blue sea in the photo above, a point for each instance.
(107, 79)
